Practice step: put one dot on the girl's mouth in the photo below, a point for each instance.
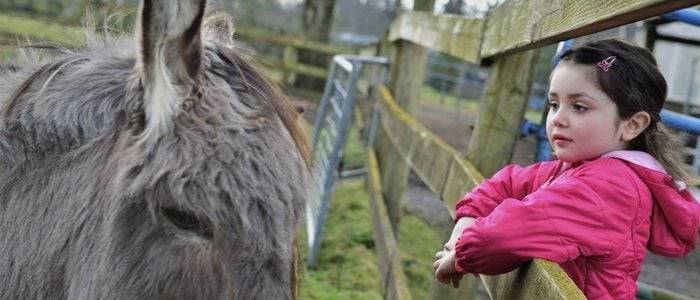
(561, 140)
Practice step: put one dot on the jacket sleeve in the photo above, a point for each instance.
(558, 223)
(512, 181)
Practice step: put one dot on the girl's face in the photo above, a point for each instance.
(582, 123)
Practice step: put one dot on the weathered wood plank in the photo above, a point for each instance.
(419, 147)
(462, 178)
(291, 67)
(518, 25)
(656, 293)
(453, 35)
(406, 74)
(393, 276)
(257, 35)
(538, 279)
(395, 173)
(501, 112)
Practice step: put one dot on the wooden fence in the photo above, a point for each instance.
(288, 64)
(507, 41)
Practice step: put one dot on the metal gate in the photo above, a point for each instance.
(333, 121)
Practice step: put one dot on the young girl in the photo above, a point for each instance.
(614, 192)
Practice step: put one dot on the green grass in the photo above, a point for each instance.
(21, 28)
(418, 243)
(354, 153)
(430, 96)
(347, 265)
(6, 54)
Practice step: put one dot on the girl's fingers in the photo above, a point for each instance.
(439, 272)
(440, 254)
(448, 246)
(456, 277)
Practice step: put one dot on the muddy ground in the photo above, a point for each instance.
(455, 127)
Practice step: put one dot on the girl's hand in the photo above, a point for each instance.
(444, 268)
(460, 226)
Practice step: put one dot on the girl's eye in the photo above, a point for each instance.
(580, 108)
(553, 105)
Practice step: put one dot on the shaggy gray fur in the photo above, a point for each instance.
(206, 209)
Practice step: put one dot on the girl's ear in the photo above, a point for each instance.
(635, 125)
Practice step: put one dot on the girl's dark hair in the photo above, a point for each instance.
(635, 84)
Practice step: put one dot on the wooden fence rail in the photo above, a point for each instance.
(288, 63)
(393, 277)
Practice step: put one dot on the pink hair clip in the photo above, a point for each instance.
(606, 63)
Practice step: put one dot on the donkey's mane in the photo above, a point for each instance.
(110, 70)
(256, 84)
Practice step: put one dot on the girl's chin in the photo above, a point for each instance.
(573, 159)
(565, 157)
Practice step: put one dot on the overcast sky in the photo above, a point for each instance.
(408, 4)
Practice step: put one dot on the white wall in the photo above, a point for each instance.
(676, 61)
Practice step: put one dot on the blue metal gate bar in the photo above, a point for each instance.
(331, 128)
(680, 121)
(688, 15)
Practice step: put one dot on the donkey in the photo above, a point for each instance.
(160, 167)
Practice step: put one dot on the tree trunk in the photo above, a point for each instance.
(316, 22)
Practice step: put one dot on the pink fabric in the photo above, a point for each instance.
(596, 219)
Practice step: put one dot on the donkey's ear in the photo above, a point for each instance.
(170, 55)
(219, 28)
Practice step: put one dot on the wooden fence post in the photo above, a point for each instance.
(407, 73)
(289, 58)
(394, 172)
(405, 81)
(501, 111)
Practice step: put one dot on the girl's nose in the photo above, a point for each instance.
(559, 119)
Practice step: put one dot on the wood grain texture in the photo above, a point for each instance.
(298, 42)
(517, 25)
(453, 35)
(538, 279)
(501, 112)
(393, 277)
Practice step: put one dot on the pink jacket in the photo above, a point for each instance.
(596, 219)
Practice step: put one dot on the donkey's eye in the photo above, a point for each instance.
(187, 221)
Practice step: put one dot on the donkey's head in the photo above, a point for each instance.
(171, 170)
